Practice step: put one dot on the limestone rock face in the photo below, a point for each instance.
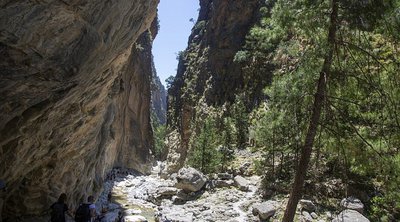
(159, 99)
(206, 71)
(74, 97)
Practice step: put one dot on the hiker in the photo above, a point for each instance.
(2, 196)
(92, 208)
(86, 212)
(59, 208)
(109, 197)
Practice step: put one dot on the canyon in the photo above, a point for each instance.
(83, 112)
(207, 74)
(78, 84)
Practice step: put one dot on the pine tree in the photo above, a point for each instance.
(353, 115)
(319, 98)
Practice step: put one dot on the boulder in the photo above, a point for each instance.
(166, 191)
(264, 210)
(350, 216)
(241, 183)
(307, 205)
(225, 176)
(218, 183)
(306, 217)
(352, 203)
(162, 193)
(244, 168)
(314, 215)
(223, 183)
(178, 200)
(133, 212)
(135, 218)
(190, 180)
(179, 215)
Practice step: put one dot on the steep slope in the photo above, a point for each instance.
(159, 99)
(207, 73)
(74, 97)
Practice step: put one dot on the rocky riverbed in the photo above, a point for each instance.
(152, 198)
(191, 196)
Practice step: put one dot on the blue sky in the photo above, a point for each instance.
(175, 28)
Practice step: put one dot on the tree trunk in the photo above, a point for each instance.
(319, 146)
(319, 97)
(273, 157)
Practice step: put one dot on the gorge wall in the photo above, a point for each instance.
(74, 97)
(207, 73)
(158, 99)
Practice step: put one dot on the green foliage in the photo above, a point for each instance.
(200, 25)
(240, 117)
(159, 134)
(212, 143)
(204, 154)
(360, 122)
(170, 80)
(295, 49)
(359, 130)
(388, 181)
(366, 15)
(180, 55)
(363, 104)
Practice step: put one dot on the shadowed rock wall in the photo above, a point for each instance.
(159, 99)
(74, 96)
(206, 70)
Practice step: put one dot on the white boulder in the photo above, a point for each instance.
(190, 179)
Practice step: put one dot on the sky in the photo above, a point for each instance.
(175, 28)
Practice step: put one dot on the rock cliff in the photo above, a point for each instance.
(159, 99)
(207, 73)
(74, 97)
